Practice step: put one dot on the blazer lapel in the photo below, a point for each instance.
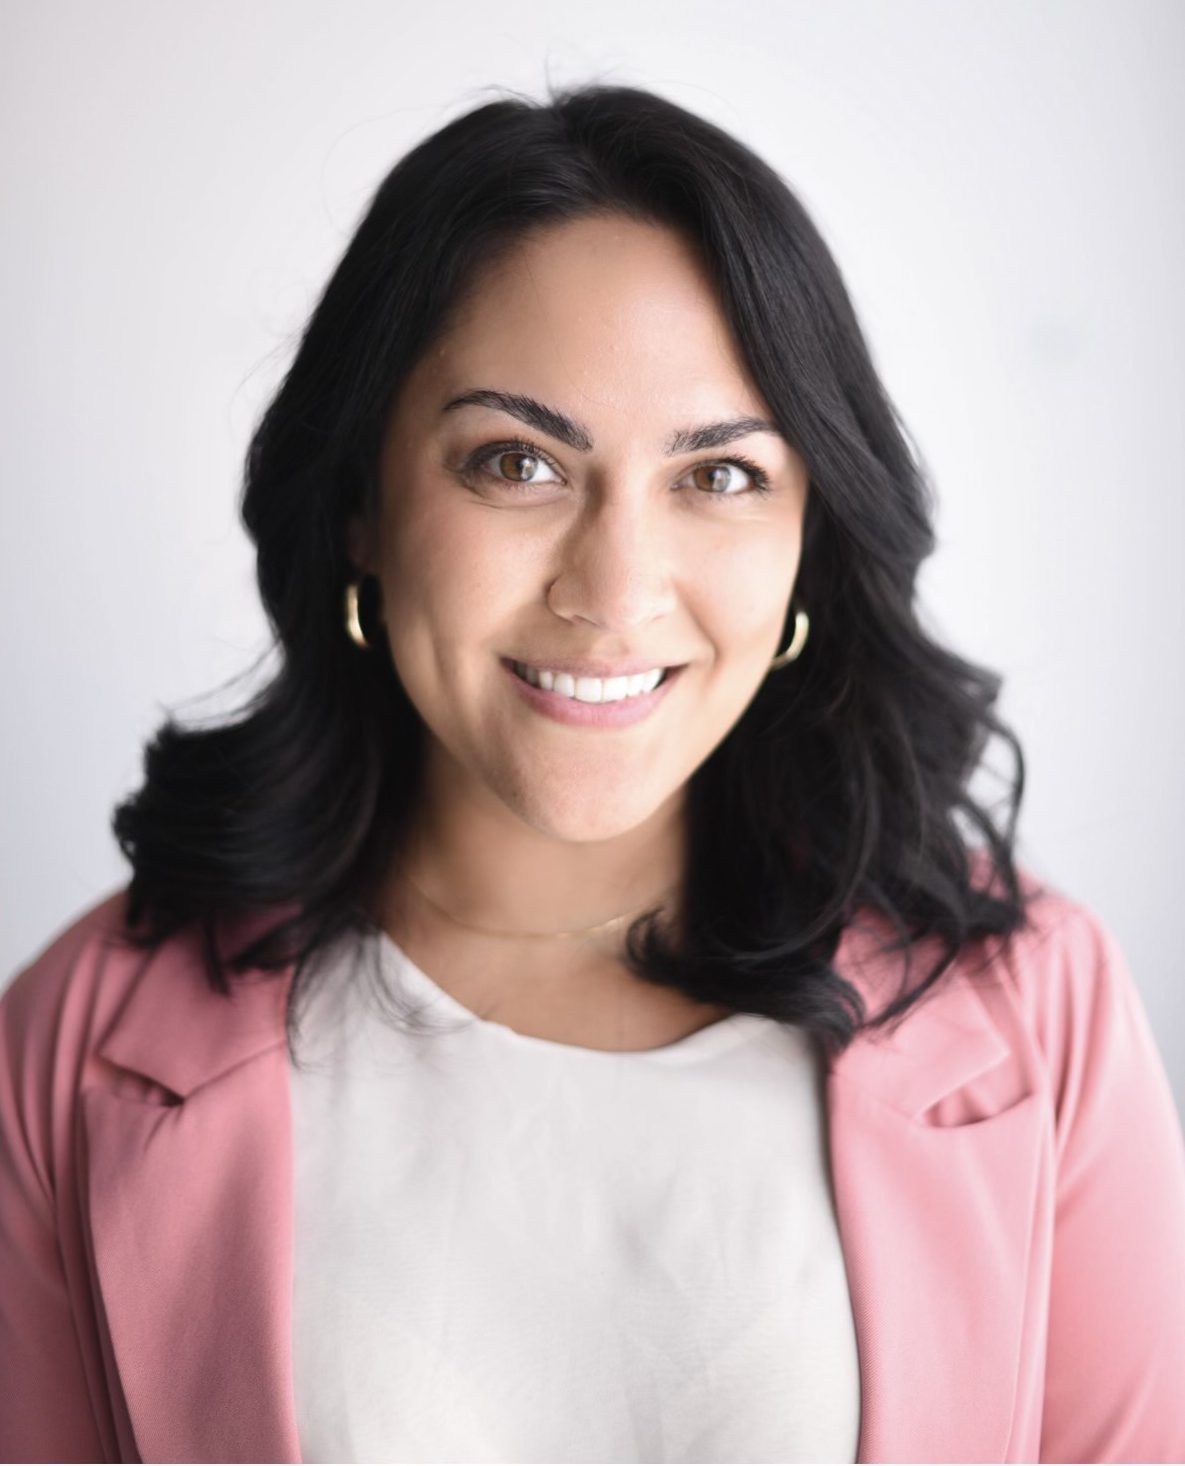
(937, 1223)
(191, 1217)
(190, 1204)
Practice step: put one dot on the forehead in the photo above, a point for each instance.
(612, 317)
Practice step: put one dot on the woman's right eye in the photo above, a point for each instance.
(514, 464)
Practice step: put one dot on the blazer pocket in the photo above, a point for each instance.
(972, 1105)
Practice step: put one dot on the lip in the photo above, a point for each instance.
(594, 667)
(620, 714)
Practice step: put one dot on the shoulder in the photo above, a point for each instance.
(1052, 1007)
(53, 1012)
(1055, 963)
(1070, 980)
(57, 1008)
(85, 973)
(93, 1008)
(95, 1005)
(1065, 971)
(1062, 965)
(1062, 989)
(57, 992)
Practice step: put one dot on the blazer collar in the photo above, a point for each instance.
(190, 1205)
(945, 1041)
(175, 1030)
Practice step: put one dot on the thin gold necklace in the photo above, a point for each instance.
(486, 931)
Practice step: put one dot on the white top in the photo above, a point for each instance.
(512, 1249)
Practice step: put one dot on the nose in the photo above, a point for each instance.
(615, 565)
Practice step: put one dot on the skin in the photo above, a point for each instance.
(525, 824)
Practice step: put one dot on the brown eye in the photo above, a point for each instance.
(521, 465)
(514, 464)
(714, 478)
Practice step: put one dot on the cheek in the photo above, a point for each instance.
(450, 577)
(742, 593)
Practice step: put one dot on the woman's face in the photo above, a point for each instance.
(602, 536)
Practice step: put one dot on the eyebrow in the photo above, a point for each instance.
(559, 425)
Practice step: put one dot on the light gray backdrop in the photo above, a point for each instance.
(1001, 184)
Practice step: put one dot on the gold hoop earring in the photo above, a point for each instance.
(353, 624)
(802, 626)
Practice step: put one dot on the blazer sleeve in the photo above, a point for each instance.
(46, 1412)
(1115, 1370)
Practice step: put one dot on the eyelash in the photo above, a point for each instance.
(473, 464)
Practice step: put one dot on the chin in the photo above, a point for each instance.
(580, 818)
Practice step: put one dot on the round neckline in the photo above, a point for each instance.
(713, 1038)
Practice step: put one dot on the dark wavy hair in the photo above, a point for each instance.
(844, 786)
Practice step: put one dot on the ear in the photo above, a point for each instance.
(360, 544)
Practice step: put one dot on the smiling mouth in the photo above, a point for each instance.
(563, 684)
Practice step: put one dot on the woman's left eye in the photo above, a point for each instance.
(760, 479)
(715, 485)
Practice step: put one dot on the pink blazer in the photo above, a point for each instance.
(1008, 1170)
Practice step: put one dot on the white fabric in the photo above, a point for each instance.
(512, 1249)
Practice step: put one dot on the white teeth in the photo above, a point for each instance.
(592, 689)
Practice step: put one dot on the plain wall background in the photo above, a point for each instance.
(1001, 186)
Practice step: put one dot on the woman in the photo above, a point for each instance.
(578, 1011)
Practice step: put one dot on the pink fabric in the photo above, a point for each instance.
(1008, 1166)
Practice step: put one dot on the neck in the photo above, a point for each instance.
(466, 854)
